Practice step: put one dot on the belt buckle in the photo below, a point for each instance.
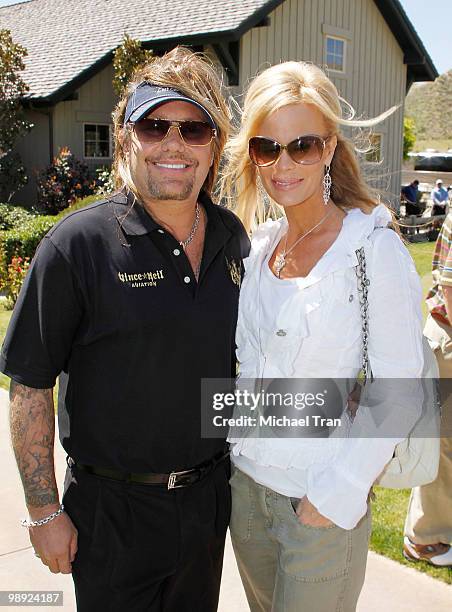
(173, 478)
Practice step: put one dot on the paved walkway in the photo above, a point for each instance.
(389, 586)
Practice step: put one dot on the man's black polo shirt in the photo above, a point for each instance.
(111, 299)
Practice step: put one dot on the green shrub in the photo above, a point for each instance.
(13, 216)
(22, 241)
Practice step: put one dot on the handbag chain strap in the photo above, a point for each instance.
(363, 289)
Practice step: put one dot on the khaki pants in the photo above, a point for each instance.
(289, 567)
(429, 518)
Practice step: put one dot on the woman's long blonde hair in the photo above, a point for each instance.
(277, 87)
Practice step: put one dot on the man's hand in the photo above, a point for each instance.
(447, 292)
(56, 542)
(309, 515)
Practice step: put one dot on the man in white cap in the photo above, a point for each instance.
(439, 198)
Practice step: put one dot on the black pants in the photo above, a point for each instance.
(412, 209)
(143, 548)
(438, 209)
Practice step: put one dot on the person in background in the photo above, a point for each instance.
(428, 526)
(410, 195)
(439, 198)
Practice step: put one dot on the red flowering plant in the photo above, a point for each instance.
(17, 270)
(62, 182)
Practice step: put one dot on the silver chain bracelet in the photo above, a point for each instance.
(27, 523)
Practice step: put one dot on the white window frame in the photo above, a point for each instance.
(371, 152)
(344, 57)
(110, 140)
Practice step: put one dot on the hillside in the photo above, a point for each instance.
(429, 104)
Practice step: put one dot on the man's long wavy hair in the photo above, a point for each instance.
(276, 87)
(194, 75)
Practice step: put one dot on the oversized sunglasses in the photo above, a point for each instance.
(193, 133)
(303, 150)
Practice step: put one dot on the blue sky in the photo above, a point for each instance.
(432, 20)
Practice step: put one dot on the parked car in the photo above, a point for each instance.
(433, 160)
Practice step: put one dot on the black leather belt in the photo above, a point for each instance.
(175, 480)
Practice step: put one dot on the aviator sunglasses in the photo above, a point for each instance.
(192, 133)
(303, 150)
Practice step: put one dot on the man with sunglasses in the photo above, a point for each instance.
(135, 298)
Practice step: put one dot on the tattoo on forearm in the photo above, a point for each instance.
(32, 424)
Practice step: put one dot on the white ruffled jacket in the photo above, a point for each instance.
(323, 339)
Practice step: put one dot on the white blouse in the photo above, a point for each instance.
(317, 333)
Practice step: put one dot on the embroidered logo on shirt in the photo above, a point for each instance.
(234, 271)
(141, 279)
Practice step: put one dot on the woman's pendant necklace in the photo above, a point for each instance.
(280, 262)
(280, 259)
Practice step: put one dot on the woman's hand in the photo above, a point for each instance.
(309, 515)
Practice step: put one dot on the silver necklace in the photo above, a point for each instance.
(184, 243)
(280, 259)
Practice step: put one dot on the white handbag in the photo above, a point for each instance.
(416, 459)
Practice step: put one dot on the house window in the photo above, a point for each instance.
(375, 155)
(97, 140)
(335, 53)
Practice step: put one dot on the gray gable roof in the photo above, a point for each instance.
(69, 40)
(66, 37)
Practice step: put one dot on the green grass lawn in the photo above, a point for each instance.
(389, 508)
(388, 514)
(422, 253)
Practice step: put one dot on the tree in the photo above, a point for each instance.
(13, 123)
(126, 59)
(409, 136)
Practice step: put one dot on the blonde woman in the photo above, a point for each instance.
(300, 520)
